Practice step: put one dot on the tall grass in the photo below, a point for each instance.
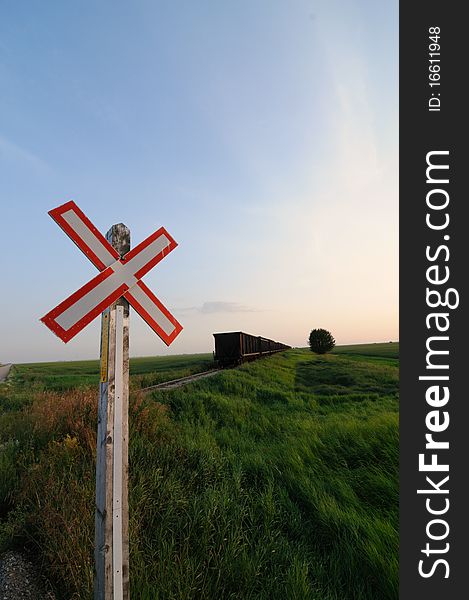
(276, 480)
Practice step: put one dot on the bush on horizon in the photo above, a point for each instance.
(321, 341)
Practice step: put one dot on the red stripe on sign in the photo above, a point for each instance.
(167, 339)
(60, 308)
(56, 214)
(50, 319)
(156, 259)
(66, 335)
(97, 310)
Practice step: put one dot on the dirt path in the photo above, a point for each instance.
(20, 580)
(4, 370)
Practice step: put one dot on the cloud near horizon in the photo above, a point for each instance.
(209, 308)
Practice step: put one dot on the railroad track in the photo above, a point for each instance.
(175, 383)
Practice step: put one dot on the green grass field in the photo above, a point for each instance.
(275, 480)
(389, 350)
(144, 371)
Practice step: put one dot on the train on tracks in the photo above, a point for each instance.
(236, 347)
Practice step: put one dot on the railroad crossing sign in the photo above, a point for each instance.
(118, 277)
(116, 286)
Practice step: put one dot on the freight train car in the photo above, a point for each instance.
(235, 347)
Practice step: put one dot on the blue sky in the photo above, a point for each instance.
(262, 134)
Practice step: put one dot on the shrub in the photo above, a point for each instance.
(321, 341)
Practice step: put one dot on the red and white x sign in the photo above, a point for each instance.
(118, 277)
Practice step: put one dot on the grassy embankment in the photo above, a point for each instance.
(276, 480)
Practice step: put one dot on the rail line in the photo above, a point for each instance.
(175, 383)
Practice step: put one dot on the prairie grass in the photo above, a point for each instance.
(276, 480)
(144, 371)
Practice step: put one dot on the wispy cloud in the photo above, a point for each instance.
(210, 308)
(11, 152)
(219, 307)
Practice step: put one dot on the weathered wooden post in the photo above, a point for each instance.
(111, 520)
(117, 284)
